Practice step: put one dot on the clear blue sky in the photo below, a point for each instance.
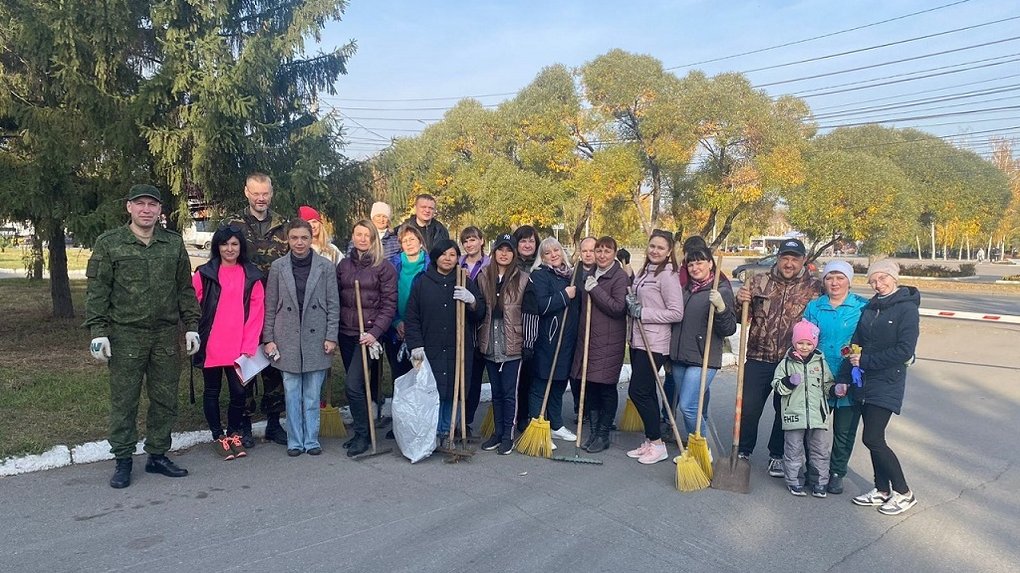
(435, 49)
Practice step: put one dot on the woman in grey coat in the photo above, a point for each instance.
(301, 325)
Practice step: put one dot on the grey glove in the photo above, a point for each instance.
(717, 301)
(417, 356)
(633, 306)
(375, 350)
(193, 342)
(590, 283)
(100, 348)
(462, 294)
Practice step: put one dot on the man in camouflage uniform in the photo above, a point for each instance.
(139, 290)
(266, 234)
(778, 299)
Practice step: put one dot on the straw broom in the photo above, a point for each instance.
(536, 440)
(631, 420)
(697, 443)
(330, 423)
(488, 424)
(689, 476)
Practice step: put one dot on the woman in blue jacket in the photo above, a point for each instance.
(836, 313)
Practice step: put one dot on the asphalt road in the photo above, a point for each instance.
(273, 513)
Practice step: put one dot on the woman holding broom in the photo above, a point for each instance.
(377, 280)
(501, 338)
(687, 345)
(431, 322)
(655, 305)
(605, 289)
(551, 290)
(231, 295)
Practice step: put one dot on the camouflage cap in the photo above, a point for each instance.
(143, 190)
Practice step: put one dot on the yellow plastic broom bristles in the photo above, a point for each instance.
(537, 439)
(631, 420)
(689, 476)
(488, 424)
(698, 447)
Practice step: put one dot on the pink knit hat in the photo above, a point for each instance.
(804, 330)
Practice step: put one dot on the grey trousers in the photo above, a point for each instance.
(817, 443)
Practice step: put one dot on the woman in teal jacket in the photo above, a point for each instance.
(836, 313)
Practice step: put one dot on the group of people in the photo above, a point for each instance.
(282, 288)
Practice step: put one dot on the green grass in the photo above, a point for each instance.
(11, 258)
(52, 391)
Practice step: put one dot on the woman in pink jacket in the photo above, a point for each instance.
(230, 292)
(655, 304)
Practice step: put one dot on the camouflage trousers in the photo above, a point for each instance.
(273, 401)
(153, 358)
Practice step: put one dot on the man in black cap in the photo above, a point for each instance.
(777, 299)
(139, 290)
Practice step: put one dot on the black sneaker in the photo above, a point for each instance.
(275, 432)
(506, 447)
(349, 441)
(160, 464)
(818, 490)
(359, 446)
(775, 467)
(835, 486)
(492, 443)
(797, 490)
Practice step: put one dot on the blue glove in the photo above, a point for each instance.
(857, 374)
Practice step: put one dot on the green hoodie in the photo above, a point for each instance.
(804, 406)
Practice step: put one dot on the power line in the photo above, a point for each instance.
(829, 35)
(921, 102)
(877, 46)
(931, 116)
(933, 90)
(478, 96)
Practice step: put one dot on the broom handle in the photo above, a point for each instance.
(658, 383)
(364, 364)
(708, 348)
(461, 364)
(584, 371)
(556, 354)
(456, 374)
(741, 358)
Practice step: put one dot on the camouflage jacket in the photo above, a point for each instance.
(134, 285)
(776, 305)
(262, 249)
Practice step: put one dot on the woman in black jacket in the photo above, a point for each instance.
(887, 334)
(431, 322)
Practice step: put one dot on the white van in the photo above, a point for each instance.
(199, 233)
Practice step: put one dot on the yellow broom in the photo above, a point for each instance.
(631, 420)
(330, 423)
(689, 476)
(536, 440)
(488, 424)
(697, 444)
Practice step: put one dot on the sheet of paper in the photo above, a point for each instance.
(247, 368)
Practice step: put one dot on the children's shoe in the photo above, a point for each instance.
(492, 443)
(797, 490)
(223, 449)
(506, 447)
(640, 450)
(775, 467)
(654, 454)
(237, 444)
(818, 491)
(872, 498)
(898, 503)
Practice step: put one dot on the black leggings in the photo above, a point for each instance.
(643, 390)
(883, 459)
(211, 399)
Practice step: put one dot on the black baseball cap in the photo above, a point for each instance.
(142, 190)
(505, 239)
(793, 247)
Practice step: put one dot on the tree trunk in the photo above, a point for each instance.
(726, 228)
(646, 226)
(653, 212)
(35, 265)
(60, 284)
(933, 240)
(710, 223)
(918, 238)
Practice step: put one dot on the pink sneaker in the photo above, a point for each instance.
(655, 453)
(640, 450)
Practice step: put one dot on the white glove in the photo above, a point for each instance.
(716, 299)
(463, 294)
(417, 356)
(375, 350)
(193, 342)
(100, 348)
(590, 283)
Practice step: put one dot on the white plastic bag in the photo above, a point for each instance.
(416, 412)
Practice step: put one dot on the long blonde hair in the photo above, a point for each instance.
(375, 249)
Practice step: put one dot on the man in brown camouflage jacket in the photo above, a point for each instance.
(265, 232)
(777, 299)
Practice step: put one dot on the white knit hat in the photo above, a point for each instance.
(381, 208)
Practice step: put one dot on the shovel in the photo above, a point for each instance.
(734, 473)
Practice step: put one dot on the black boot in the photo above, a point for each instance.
(359, 446)
(122, 475)
(592, 421)
(160, 464)
(835, 484)
(274, 431)
(247, 439)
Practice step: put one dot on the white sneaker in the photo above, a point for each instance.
(898, 503)
(872, 498)
(564, 434)
(554, 445)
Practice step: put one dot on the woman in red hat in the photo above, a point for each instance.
(322, 234)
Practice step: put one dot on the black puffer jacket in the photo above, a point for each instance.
(687, 343)
(887, 333)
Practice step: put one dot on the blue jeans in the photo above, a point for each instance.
(445, 417)
(689, 378)
(302, 396)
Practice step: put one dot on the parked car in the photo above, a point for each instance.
(199, 233)
(762, 265)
